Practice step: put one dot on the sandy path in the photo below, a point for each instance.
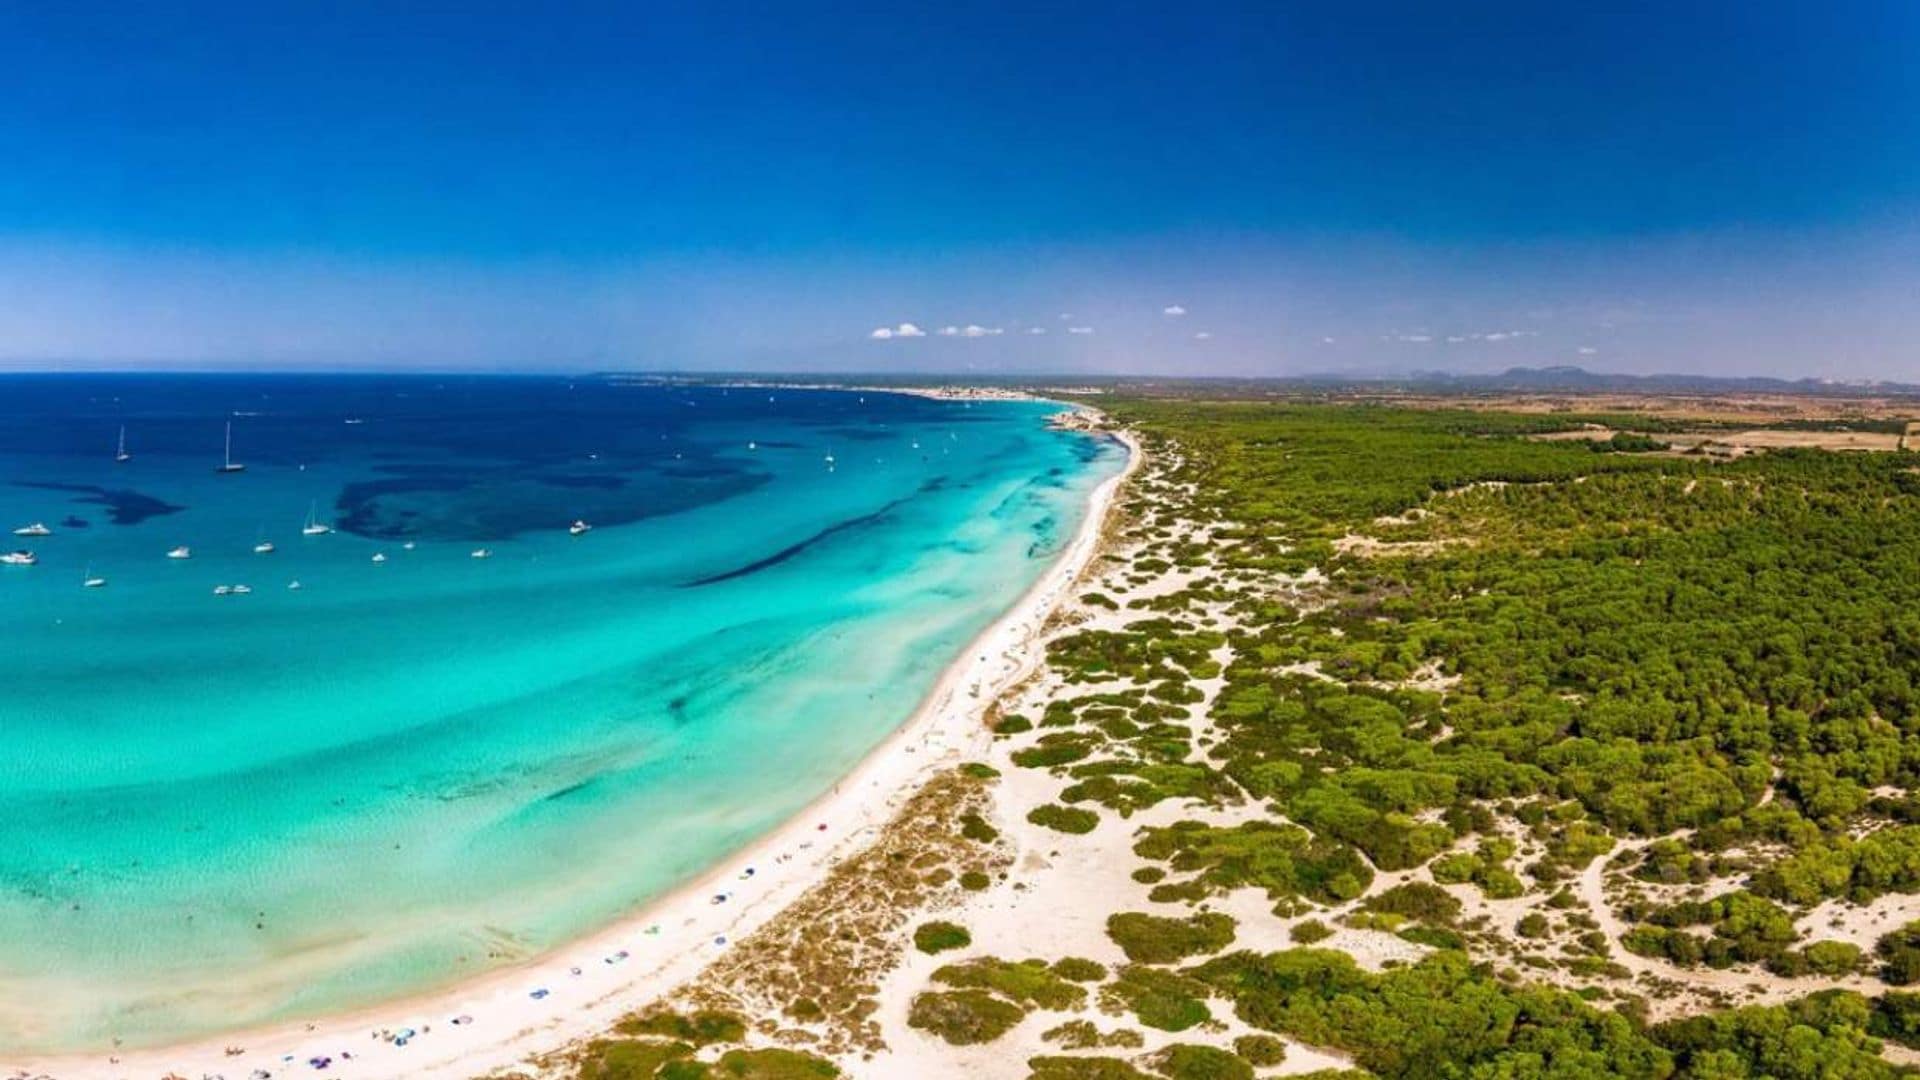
(495, 1022)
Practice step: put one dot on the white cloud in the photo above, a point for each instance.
(881, 333)
(948, 331)
(1417, 339)
(1455, 339)
(1173, 309)
(1065, 315)
(1326, 341)
(1079, 329)
(1588, 350)
(1036, 329)
(907, 329)
(976, 331)
(1202, 335)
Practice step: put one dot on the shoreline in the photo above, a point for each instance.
(494, 1022)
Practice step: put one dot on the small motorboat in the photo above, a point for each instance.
(481, 553)
(579, 528)
(379, 556)
(242, 590)
(264, 547)
(19, 558)
(35, 529)
(181, 552)
(294, 585)
(223, 590)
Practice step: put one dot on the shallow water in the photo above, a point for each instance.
(222, 810)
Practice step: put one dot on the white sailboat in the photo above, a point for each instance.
(121, 456)
(314, 526)
(89, 581)
(264, 547)
(229, 465)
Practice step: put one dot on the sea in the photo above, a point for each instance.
(450, 733)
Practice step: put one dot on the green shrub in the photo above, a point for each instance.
(1186, 1061)
(1029, 982)
(1079, 969)
(773, 1064)
(1261, 1050)
(1066, 819)
(1161, 999)
(1308, 931)
(1082, 1068)
(1153, 939)
(628, 1059)
(937, 936)
(974, 827)
(1416, 900)
(963, 1017)
(703, 1027)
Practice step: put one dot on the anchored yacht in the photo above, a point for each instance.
(229, 465)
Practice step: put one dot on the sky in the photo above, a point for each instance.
(1175, 189)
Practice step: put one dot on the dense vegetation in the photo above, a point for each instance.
(1488, 660)
(1642, 645)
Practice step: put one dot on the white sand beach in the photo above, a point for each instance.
(496, 1022)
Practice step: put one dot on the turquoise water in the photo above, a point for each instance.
(222, 810)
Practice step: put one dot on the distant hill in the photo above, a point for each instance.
(1571, 378)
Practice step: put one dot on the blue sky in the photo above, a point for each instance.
(1688, 187)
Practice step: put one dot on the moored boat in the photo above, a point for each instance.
(229, 465)
(314, 526)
